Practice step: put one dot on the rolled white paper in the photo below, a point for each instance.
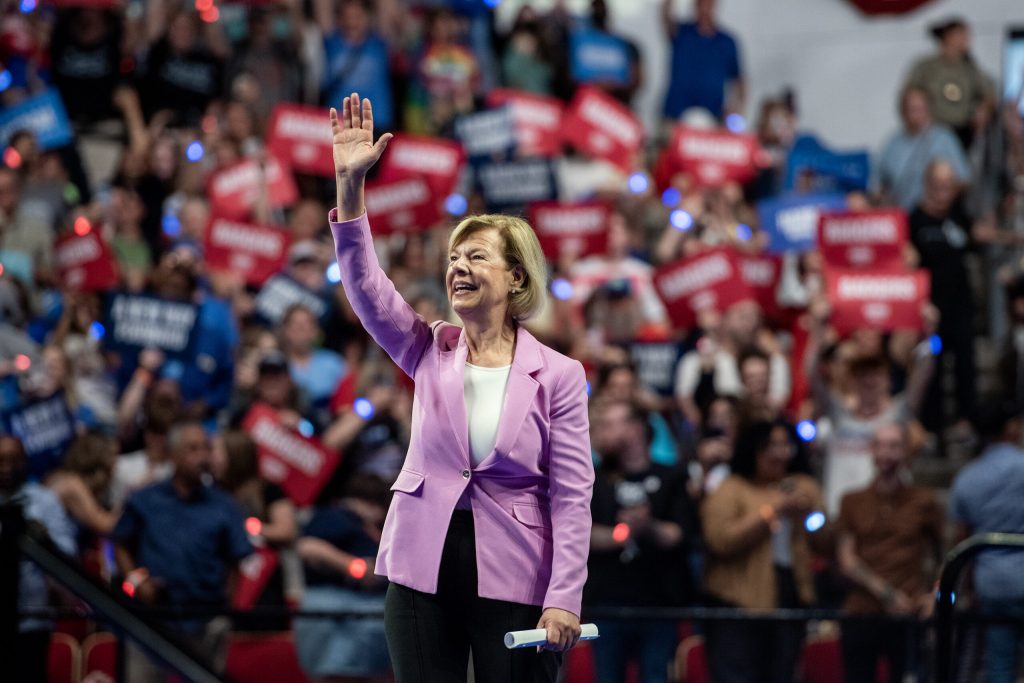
(538, 636)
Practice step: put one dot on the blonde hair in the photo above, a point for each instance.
(521, 248)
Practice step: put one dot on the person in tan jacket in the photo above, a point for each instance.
(756, 530)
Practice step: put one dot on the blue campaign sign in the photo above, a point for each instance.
(514, 184)
(596, 57)
(135, 322)
(44, 115)
(819, 169)
(487, 134)
(45, 428)
(280, 293)
(791, 221)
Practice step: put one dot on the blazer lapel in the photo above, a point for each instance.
(453, 369)
(519, 394)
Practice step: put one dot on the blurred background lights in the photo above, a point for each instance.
(743, 232)
(253, 526)
(306, 428)
(27, 6)
(638, 183)
(334, 273)
(5, 80)
(735, 123)
(561, 289)
(455, 204)
(363, 408)
(194, 152)
(171, 225)
(681, 220)
(814, 521)
(82, 226)
(935, 344)
(12, 158)
(671, 197)
(806, 430)
(97, 331)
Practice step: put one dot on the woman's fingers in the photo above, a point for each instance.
(346, 111)
(335, 128)
(357, 116)
(368, 117)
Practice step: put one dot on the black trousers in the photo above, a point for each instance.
(430, 637)
(865, 642)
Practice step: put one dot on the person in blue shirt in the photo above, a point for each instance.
(356, 59)
(316, 371)
(40, 506)
(986, 497)
(705, 65)
(178, 542)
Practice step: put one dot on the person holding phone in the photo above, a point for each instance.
(489, 527)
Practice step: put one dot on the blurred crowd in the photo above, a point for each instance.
(201, 431)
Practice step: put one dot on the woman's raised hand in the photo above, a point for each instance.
(354, 149)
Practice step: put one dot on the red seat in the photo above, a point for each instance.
(99, 653)
(692, 662)
(64, 660)
(822, 661)
(580, 664)
(258, 658)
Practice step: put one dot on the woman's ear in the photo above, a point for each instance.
(518, 277)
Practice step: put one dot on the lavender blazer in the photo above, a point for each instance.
(530, 496)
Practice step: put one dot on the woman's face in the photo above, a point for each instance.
(479, 279)
(773, 461)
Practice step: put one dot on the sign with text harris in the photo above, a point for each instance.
(300, 465)
(537, 120)
(863, 239)
(85, 262)
(403, 205)
(877, 299)
(233, 190)
(710, 280)
(712, 157)
(580, 229)
(437, 160)
(249, 249)
(601, 126)
(301, 135)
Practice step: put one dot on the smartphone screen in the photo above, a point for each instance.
(1013, 68)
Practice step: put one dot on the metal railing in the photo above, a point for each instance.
(114, 609)
(954, 565)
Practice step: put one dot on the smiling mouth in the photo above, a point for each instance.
(462, 288)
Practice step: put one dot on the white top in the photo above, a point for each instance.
(484, 394)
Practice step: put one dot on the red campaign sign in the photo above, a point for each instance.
(300, 465)
(254, 574)
(255, 251)
(709, 280)
(579, 229)
(405, 205)
(760, 272)
(599, 125)
(882, 299)
(233, 190)
(713, 157)
(302, 136)
(438, 161)
(863, 239)
(537, 118)
(85, 262)
(888, 6)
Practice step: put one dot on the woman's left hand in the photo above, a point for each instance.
(563, 629)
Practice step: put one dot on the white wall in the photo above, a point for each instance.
(845, 68)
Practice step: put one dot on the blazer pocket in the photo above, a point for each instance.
(531, 515)
(408, 482)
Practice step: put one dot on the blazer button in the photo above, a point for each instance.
(465, 474)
